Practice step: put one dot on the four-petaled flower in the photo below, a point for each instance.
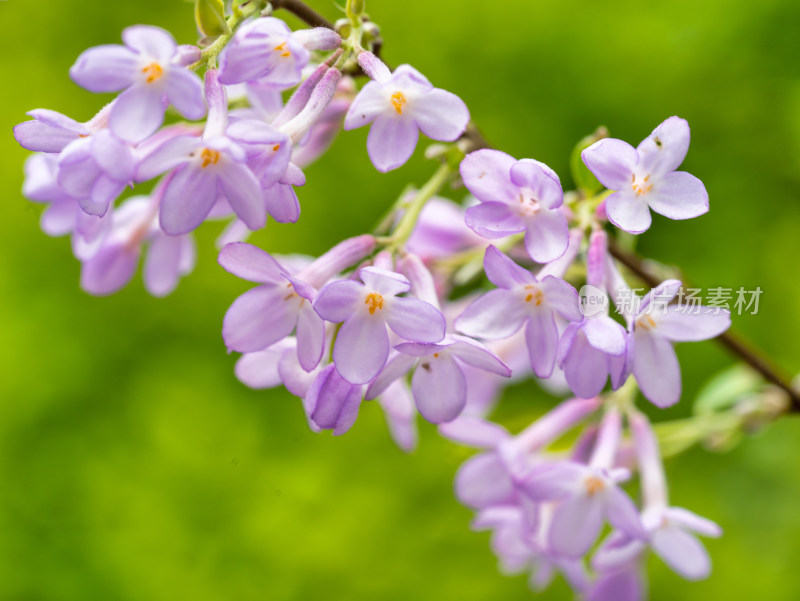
(148, 67)
(362, 344)
(645, 177)
(400, 105)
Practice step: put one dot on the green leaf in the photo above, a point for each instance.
(210, 17)
(583, 178)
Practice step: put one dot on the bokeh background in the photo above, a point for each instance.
(133, 465)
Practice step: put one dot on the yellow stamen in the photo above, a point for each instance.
(534, 294)
(641, 189)
(375, 301)
(276, 147)
(594, 485)
(398, 102)
(153, 71)
(210, 157)
(646, 322)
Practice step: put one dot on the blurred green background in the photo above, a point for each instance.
(134, 466)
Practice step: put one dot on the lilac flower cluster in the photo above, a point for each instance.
(381, 316)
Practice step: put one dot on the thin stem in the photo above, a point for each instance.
(403, 230)
(733, 343)
(303, 12)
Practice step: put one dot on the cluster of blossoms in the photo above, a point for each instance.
(378, 317)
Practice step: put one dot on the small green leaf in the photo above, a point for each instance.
(583, 178)
(210, 17)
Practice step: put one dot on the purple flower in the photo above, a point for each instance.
(655, 327)
(362, 344)
(113, 265)
(267, 50)
(438, 384)
(214, 165)
(521, 299)
(50, 131)
(492, 477)
(269, 313)
(332, 403)
(64, 214)
(401, 415)
(671, 533)
(148, 67)
(516, 196)
(401, 104)
(95, 170)
(588, 495)
(644, 178)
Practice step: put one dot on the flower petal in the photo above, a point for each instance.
(493, 220)
(338, 300)
(440, 115)
(664, 150)
(383, 281)
(495, 315)
(162, 265)
(483, 481)
(152, 42)
(554, 481)
(391, 141)
(503, 272)
(655, 367)
(260, 369)
(612, 162)
(361, 348)
(474, 432)
(282, 203)
(251, 263)
(368, 104)
(137, 113)
(628, 212)
(257, 319)
(605, 334)
(691, 521)
(110, 269)
(185, 91)
(243, 193)
(310, 336)
(477, 355)
(187, 200)
(585, 368)
(561, 297)
(679, 195)
(541, 336)
(396, 368)
(683, 323)
(547, 236)
(439, 388)
(541, 182)
(107, 68)
(487, 174)
(682, 552)
(622, 513)
(576, 525)
(415, 320)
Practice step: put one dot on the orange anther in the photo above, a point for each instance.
(153, 71)
(375, 301)
(398, 102)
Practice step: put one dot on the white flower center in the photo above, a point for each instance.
(528, 205)
(641, 185)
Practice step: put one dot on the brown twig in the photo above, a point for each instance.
(303, 12)
(730, 341)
